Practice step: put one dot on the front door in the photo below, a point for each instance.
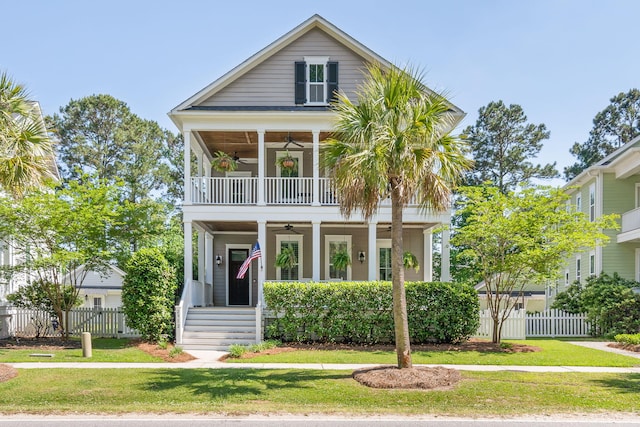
(238, 288)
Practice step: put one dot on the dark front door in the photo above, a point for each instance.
(238, 288)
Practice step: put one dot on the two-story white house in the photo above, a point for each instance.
(274, 103)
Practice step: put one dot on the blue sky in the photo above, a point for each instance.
(561, 60)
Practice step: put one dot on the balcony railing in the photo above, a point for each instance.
(630, 220)
(277, 191)
(244, 191)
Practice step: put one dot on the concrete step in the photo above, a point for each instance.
(220, 328)
(219, 319)
(223, 335)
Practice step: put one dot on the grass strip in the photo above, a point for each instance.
(103, 350)
(200, 391)
(553, 353)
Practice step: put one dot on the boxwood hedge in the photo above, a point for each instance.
(361, 312)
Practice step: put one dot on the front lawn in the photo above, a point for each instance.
(103, 350)
(553, 353)
(250, 391)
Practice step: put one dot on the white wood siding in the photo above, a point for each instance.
(271, 83)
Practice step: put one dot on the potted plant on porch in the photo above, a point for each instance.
(409, 260)
(341, 259)
(287, 163)
(222, 162)
(286, 258)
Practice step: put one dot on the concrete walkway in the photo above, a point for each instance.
(210, 360)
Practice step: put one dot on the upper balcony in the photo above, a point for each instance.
(630, 230)
(265, 191)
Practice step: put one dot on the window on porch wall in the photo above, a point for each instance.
(384, 266)
(295, 243)
(333, 244)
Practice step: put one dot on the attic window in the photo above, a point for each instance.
(316, 80)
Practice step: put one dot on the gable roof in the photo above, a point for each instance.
(316, 21)
(626, 156)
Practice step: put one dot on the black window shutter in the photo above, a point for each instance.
(300, 83)
(332, 80)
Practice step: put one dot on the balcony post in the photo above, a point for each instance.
(372, 248)
(315, 250)
(187, 169)
(261, 159)
(427, 267)
(445, 275)
(316, 168)
(188, 259)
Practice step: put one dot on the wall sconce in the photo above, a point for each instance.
(218, 260)
(361, 257)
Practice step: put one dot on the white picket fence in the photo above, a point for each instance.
(549, 323)
(100, 322)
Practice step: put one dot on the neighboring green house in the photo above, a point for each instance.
(612, 185)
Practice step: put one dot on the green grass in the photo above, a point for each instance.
(247, 391)
(103, 350)
(553, 353)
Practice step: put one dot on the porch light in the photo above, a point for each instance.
(361, 256)
(218, 260)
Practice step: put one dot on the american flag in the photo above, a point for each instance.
(255, 254)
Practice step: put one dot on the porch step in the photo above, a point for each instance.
(216, 328)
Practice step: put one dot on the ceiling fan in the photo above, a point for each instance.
(288, 140)
(237, 159)
(289, 228)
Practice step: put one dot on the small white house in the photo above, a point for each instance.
(102, 290)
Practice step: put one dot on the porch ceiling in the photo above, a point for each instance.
(245, 143)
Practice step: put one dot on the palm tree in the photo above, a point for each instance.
(394, 141)
(26, 151)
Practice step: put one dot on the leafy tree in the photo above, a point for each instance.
(148, 294)
(609, 301)
(25, 148)
(59, 230)
(520, 238)
(100, 135)
(394, 142)
(503, 144)
(613, 127)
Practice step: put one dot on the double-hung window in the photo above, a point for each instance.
(316, 80)
(592, 202)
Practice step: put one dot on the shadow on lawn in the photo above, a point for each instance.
(226, 383)
(625, 383)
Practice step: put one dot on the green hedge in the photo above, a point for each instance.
(361, 312)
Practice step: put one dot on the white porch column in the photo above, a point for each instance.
(427, 261)
(445, 275)
(261, 159)
(187, 170)
(188, 261)
(262, 274)
(316, 167)
(315, 245)
(208, 258)
(372, 256)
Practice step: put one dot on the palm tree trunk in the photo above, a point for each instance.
(400, 318)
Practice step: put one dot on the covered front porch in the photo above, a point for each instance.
(222, 247)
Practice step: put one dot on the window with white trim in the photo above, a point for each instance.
(592, 202)
(316, 80)
(333, 244)
(97, 302)
(384, 259)
(294, 243)
(579, 202)
(637, 195)
(592, 263)
(578, 268)
(566, 277)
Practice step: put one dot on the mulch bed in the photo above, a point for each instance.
(390, 377)
(628, 347)
(481, 346)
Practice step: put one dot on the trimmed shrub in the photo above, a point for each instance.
(632, 339)
(148, 294)
(610, 303)
(362, 312)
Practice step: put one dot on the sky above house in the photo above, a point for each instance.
(561, 60)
